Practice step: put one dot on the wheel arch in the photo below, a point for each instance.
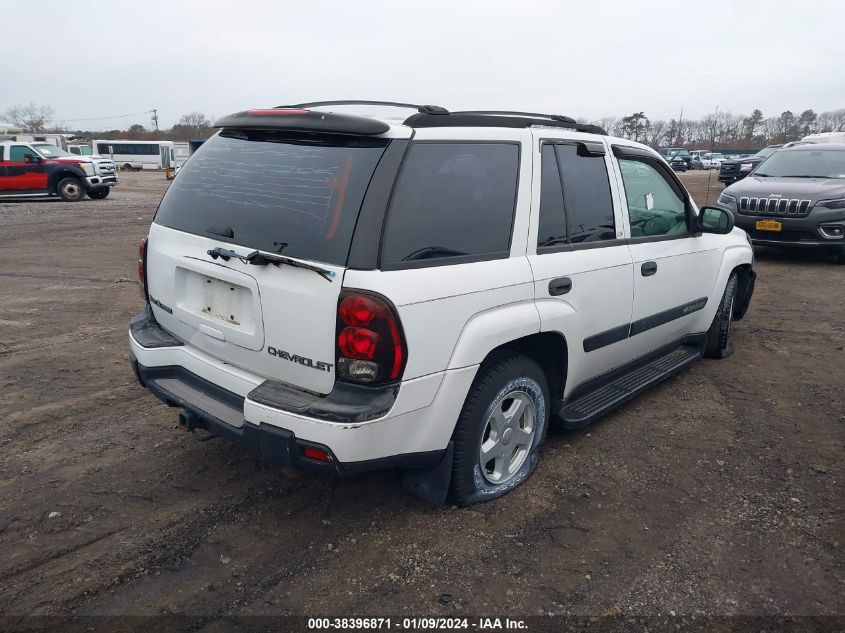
(514, 328)
(735, 258)
(551, 352)
(57, 175)
(746, 277)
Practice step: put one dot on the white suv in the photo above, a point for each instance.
(341, 292)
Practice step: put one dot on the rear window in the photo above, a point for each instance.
(452, 202)
(295, 195)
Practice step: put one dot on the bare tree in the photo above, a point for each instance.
(31, 116)
(656, 133)
(833, 121)
(611, 125)
(191, 125)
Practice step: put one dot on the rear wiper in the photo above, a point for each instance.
(257, 258)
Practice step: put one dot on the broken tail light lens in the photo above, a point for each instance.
(370, 345)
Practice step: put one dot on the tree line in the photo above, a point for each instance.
(723, 130)
(32, 117)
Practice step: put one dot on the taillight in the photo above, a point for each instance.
(370, 346)
(142, 267)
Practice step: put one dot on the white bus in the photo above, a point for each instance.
(136, 154)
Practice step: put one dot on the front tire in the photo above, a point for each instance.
(99, 194)
(70, 189)
(719, 343)
(500, 430)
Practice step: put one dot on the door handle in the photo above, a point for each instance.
(648, 269)
(560, 286)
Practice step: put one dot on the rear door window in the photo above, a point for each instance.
(296, 195)
(452, 202)
(586, 194)
(552, 227)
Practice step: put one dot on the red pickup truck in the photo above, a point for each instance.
(42, 169)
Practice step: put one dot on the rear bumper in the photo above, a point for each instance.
(274, 444)
(412, 432)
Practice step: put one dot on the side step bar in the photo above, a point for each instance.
(610, 391)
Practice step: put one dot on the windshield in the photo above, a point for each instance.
(766, 151)
(815, 163)
(84, 150)
(49, 151)
(296, 195)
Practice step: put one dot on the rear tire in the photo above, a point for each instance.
(719, 343)
(99, 194)
(500, 430)
(70, 189)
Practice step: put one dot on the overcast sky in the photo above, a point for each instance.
(584, 59)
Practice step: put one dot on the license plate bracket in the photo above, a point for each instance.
(769, 225)
(222, 300)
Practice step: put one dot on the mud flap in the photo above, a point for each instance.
(431, 484)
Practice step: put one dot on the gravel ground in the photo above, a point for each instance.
(719, 492)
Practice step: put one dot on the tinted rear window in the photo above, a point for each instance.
(586, 195)
(452, 200)
(294, 195)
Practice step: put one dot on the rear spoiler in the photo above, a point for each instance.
(303, 120)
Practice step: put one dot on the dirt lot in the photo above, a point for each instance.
(719, 492)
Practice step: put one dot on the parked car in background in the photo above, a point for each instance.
(732, 170)
(677, 163)
(671, 153)
(712, 160)
(344, 293)
(794, 198)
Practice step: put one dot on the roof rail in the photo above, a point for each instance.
(424, 109)
(554, 117)
(500, 119)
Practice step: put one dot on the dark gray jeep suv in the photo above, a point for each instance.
(796, 197)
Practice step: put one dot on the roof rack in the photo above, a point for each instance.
(427, 116)
(500, 118)
(424, 109)
(554, 117)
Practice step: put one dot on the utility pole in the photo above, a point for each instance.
(679, 136)
(155, 118)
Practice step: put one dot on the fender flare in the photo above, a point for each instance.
(63, 171)
(490, 329)
(732, 258)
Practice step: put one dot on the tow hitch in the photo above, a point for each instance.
(192, 424)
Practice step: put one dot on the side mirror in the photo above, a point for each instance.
(31, 158)
(714, 220)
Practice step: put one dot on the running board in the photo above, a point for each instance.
(620, 387)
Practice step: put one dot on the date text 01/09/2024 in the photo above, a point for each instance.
(413, 624)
